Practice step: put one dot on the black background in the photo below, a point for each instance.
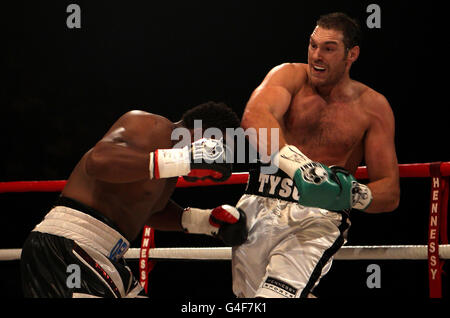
(62, 89)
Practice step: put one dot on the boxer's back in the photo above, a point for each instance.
(115, 194)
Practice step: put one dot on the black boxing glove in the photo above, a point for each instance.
(204, 159)
(224, 222)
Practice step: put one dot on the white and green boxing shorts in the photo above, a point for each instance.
(289, 247)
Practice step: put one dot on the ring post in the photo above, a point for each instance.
(434, 266)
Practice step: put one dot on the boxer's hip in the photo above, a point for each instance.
(68, 237)
(53, 266)
(85, 227)
(276, 197)
(278, 225)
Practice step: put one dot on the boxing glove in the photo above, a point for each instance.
(203, 159)
(332, 188)
(224, 222)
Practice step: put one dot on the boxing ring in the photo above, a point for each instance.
(435, 251)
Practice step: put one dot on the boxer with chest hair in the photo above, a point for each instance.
(328, 124)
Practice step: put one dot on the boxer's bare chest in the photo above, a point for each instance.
(329, 132)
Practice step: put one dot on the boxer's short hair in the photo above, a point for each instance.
(349, 27)
(212, 114)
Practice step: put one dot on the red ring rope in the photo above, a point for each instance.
(415, 170)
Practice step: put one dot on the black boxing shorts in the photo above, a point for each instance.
(76, 252)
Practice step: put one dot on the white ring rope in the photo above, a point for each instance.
(382, 252)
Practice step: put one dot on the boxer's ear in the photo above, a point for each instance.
(353, 54)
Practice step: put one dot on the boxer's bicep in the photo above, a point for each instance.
(381, 158)
(380, 153)
(273, 96)
(269, 103)
(167, 217)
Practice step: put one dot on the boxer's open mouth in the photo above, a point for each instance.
(319, 68)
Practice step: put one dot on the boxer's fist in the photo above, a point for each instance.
(225, 222)
(232, 224)
(203, 159)
(208, 161)
(360, 194)
(331, 188)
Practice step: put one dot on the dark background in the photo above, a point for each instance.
(63, 88)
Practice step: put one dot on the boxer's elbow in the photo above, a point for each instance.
(248, 115)
(95, 161)
(395, 198)
(392, 202)
(246, 121)
(254, 117)
(384, 201)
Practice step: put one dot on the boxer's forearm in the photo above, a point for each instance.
(386, 196)
(117, 164)
(264, 124)
(265, 111)
(168, 219)
(264, 142)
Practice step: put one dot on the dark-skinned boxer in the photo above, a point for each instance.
(120, 185)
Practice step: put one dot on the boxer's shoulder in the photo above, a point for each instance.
(142, 129)
(291, 67)
(289, 75)
(366, 94)
(373, 102)
(140, 117)
(149, 123)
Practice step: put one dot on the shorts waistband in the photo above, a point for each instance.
(277, 186)
(84, 229)
(77, 205)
